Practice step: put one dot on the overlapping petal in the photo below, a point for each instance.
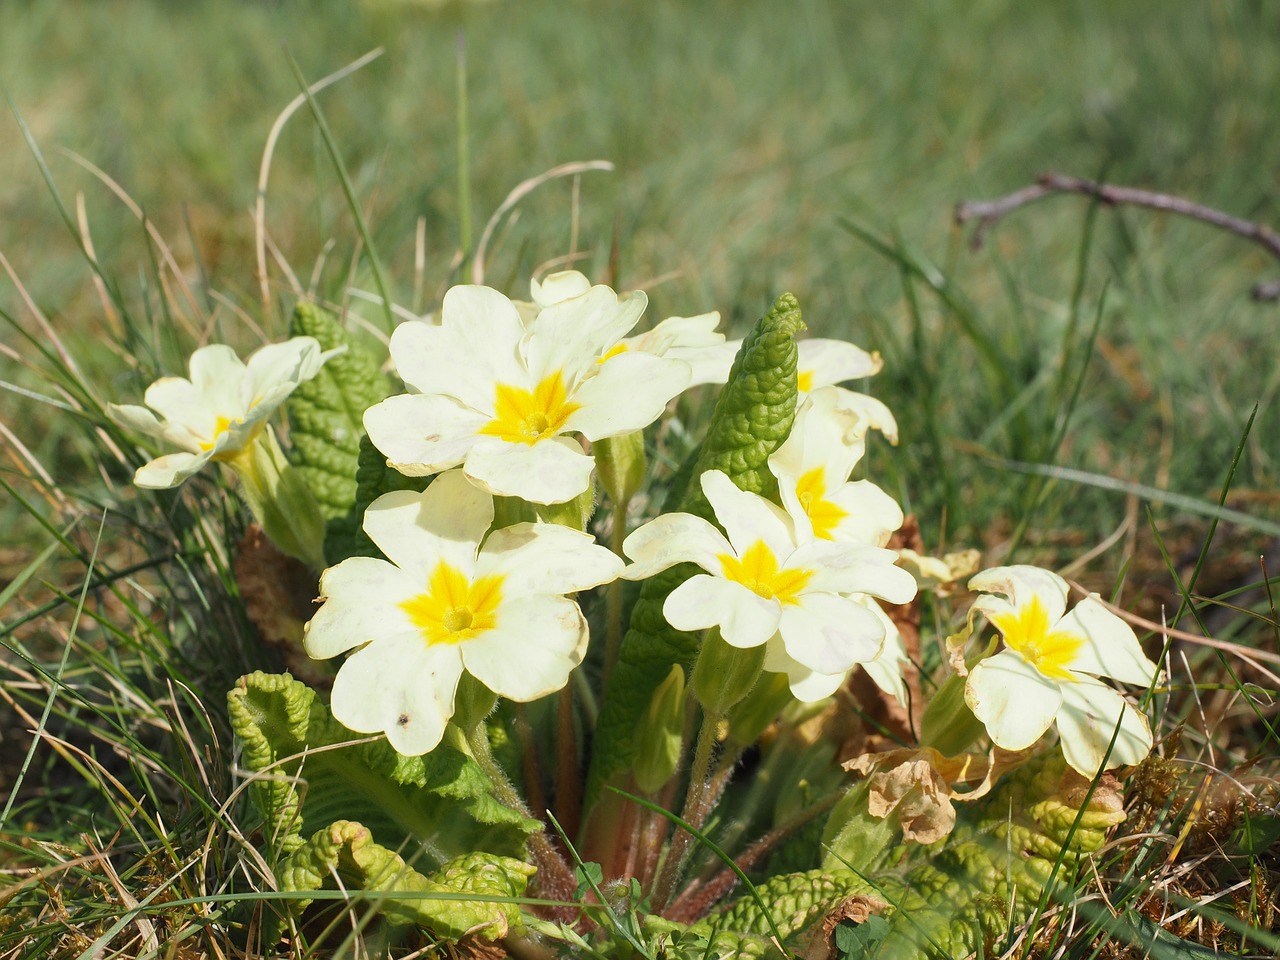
(220, 411)
(445, 603)
(1046, 674)
(760, 588)
(498, 390)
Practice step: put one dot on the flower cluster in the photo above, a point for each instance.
(446, 600)
(218, 413)
(505, 399)
(1047, 672)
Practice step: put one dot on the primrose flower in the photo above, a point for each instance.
(691, 339)
(760, 584)
(498, 397)
(813, 466)
(445, 604)
(219, 412)
(826, 363)
(1046, 672)
(885, 669)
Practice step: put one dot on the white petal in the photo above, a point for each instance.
(829, 634)
(446, 522)
(170, 470)
(627, 393)
(546, 558)
(1014, 701)
(710, 364)
(220, 378)
(538, 642)
(573, 334)
(555, 287)
(399, 686)
(871, 515)
(190, 418)
(1111, 648)
(747, 517)
(281, 365)
(361, 603)
(670, 539)
(835, 361)
(136, 418)
(806, 685)
(421, 435)
(840, 567)
(744, 618)
(1022, 582)
(823, 435)
(554, 470)
(873, 412)
(886, 668)
(1087, 721)
(474, 348)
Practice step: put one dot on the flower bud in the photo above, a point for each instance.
(620, 463)
(724, 675)
(660, 734)
(280, 500)
(948, 725)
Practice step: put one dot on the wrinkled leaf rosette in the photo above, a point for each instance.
(309, 774)
(442, 604)
(1046, 674)
(452, 902)
(761, 587)
(219, 412)
(500, 397)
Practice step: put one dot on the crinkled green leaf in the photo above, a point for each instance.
(346, 851)
(441, 802)
(752, 417)
(994, 867)
(326, 421)
(948, 900)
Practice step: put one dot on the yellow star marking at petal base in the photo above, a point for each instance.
(524, 416)
(804, 381)
(758, 572)
(453, 609)
(219, 428)
(811, 491)
(613, 351)
(1027, 631)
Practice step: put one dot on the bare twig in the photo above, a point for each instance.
(989, 212)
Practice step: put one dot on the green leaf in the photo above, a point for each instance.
(857, 940)
(326, 419)
(752, 417)
(346, 851)
(440, 803)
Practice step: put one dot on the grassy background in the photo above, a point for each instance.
(758, 146)
(744, 134)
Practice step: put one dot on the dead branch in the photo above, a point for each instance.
(987, 213)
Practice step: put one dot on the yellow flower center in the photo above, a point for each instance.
(804, 381)
(220, 426)
(454, 609)
(811, 490)
(527, 416)
(613, 351)
(758, 572)
(1026, 631)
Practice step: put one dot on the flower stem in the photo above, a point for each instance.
(696, 807)
(555, 878)
(613, 619)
